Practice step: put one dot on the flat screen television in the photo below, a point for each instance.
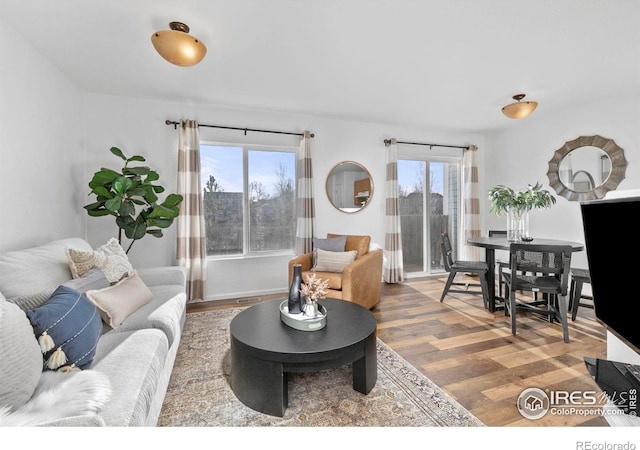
(612, 243)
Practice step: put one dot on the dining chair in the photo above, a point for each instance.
(501, 264)
(579, 277)
(541, 269)
(455, 266)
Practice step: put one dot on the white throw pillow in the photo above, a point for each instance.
(110, 257)
(119, 301)
(20, 357)
(333, 261)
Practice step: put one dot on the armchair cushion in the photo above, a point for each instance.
(354, 242)
(333, 261)
(330, 244)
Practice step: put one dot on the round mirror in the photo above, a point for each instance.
(586, 168)
(349, 186)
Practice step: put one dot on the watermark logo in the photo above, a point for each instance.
(533, 403)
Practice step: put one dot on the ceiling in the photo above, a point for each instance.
(449, 64)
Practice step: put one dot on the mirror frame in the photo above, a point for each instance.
(617, 174)
(326, 186)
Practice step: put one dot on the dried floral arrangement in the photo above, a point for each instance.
(315, 288)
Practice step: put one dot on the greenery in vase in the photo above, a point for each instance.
(131, 196)
(504, 199)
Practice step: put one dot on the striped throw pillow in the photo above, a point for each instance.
(333, 261)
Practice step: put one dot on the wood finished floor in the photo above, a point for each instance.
(471, 353)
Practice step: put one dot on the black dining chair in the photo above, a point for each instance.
(455, 267)
(501, 264)
(579, 277)
(541, 269)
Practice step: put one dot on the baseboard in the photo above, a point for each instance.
(243, 295)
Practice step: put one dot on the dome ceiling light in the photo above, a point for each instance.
(519, 109)
(177, 46)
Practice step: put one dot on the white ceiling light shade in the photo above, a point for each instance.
(177, 46)
(519, 109)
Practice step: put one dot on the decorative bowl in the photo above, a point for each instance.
(302, 322)
(526, 238)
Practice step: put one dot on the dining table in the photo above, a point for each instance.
(491, 244)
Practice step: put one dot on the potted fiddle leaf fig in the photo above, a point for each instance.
(505, 200)
(131, 196)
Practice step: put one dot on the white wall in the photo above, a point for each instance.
(137, 126)
(519, 156)
(41, 148)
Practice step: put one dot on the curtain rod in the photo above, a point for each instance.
(175, 126)
(388, 141)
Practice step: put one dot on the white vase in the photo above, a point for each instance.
(517, 225)
(311, 309)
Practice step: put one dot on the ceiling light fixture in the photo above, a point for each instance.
(177, 46)
(519, 109)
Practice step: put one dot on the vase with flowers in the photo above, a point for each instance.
(313, 290)
(517, 206)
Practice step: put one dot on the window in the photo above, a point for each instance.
(429, 205)
(249, 198)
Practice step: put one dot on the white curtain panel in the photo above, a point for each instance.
(191, 244)
(393, 270)
(471, 203)
(305, 203)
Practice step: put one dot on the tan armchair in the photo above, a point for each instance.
(360, 282)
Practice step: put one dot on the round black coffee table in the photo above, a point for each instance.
(264, 351)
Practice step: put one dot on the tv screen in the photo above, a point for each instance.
(612, 243)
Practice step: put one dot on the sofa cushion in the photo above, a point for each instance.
(355, 242)
(37, 269)
(333, 261)
(110, 257)
(116, 303)
(93, 279)
(73, 326)
(20, 357)
(134, 362)
(165, 311)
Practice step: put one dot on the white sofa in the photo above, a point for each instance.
(136, 357)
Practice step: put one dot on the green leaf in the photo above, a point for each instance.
(102, 191)
(113, 204)
(158, 189)
(153, 176)
(102, 177)
(142, 170)
(127, 208)
(155, 233)
(99, 212)
(160, 223)
(137, 192)
(116, 151)
(122, 184)
(162, 212)
(136, 158)
(172, 200)
(136, 230)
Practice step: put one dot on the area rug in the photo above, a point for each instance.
(199, 393)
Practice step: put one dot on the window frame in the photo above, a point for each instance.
(246, 225)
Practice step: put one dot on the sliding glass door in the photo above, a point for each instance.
(430, 193)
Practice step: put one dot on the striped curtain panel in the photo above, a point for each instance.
(191, 250)
(305, 205)
(471, 203)
(393, 270)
